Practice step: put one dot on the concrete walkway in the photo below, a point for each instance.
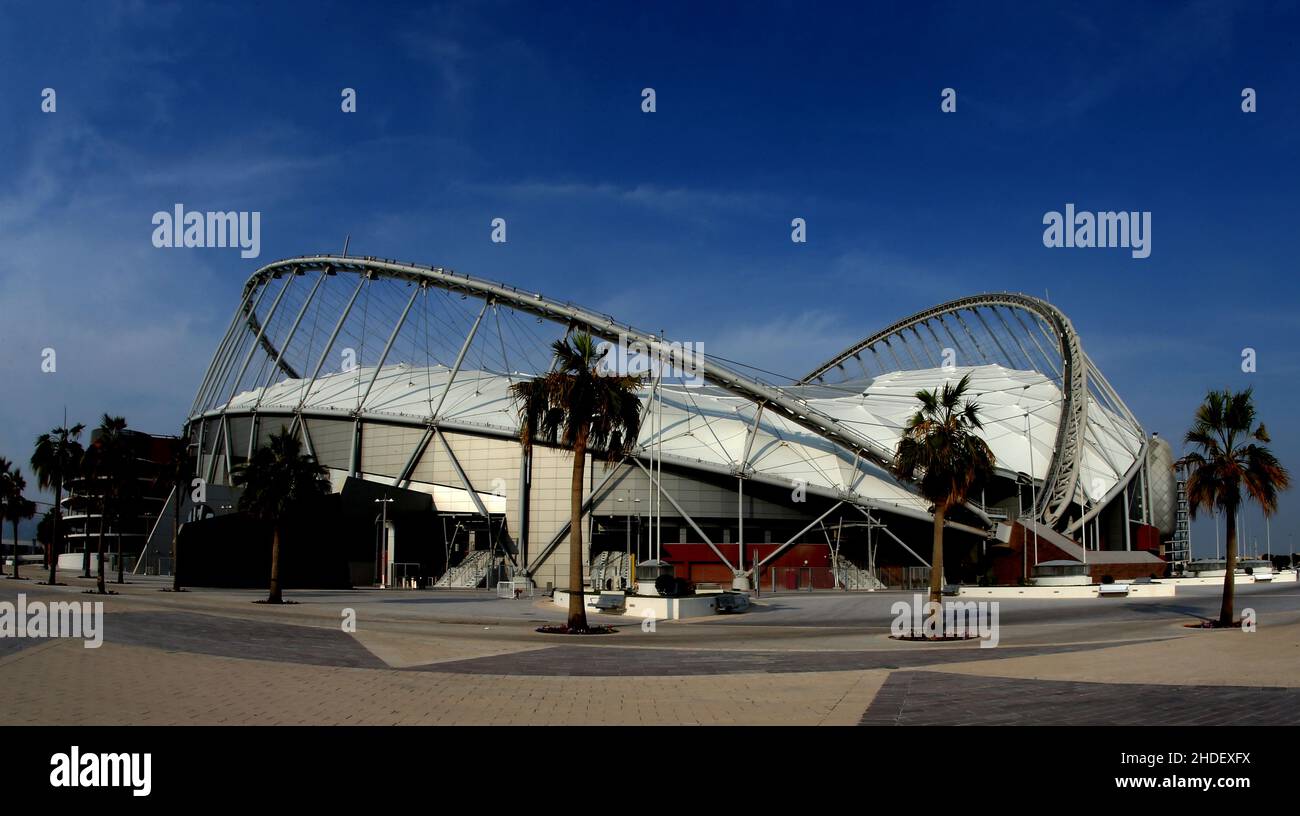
(213, 656)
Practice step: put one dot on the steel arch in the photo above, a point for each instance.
(1062, 476)
(793, 408)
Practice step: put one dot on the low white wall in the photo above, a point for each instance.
(639, 606)
(1160, 590)
(1286, 576)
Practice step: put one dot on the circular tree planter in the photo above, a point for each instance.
(562, 629)
(1213, 626)
(918, 638)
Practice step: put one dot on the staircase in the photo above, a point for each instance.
(851, 576)
(469, 573)
(610, 565)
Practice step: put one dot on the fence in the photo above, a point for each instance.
(808, 579)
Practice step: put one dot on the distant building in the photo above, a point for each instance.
(81, 507)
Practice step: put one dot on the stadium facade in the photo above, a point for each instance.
(396, 378)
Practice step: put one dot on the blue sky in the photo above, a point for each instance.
(676, 220)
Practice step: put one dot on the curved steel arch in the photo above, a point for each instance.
(1062, 475)
(794, 409)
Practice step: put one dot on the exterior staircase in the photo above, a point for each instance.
(469, 573)
(612, 566)
(853, 577)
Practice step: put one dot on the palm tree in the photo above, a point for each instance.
(44, 532)
(15, 505)
(940, 451)
(279, 481)
(177, 470)
(7, 473)
(56, 459)
(581, 409)
(6, 487)
(108, 466)
(1226, 458)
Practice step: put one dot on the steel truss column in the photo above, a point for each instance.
(404, 477)
(774, 554)
(284, 345)
(881, 525)
(667, 495)
(210, 372)
(460, 358)
(460, 474)
(228, 359)
(597, 493)
(329, 344)
(383, 357)
(261, 329)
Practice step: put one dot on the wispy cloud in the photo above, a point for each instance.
(681, 201)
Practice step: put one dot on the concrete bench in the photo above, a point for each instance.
(1112, 589)
(609, 602)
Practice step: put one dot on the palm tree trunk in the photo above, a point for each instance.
(15, 575)
(275, 597)
(577, 602)
(121, 576)
(85, 557)
(176, 535)
(2, 546)
(936, 559)
(52, 554)
(1229, 577)
(99, 582)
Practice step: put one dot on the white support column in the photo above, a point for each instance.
(757, 568)
(460, 358)
(890, 533)
(404, 478)
(460, 473)
(665, 494)
(329, 344)
(383, 356)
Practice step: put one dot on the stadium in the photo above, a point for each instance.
(396, 377)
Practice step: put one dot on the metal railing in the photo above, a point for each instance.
(469, 573)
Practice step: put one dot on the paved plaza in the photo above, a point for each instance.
(468, 657)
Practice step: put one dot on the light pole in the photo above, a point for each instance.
(381, 561)
(627, 516)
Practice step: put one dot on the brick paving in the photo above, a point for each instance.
(231, 637)
(617, 661)
(935, 698)
(216, 659)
